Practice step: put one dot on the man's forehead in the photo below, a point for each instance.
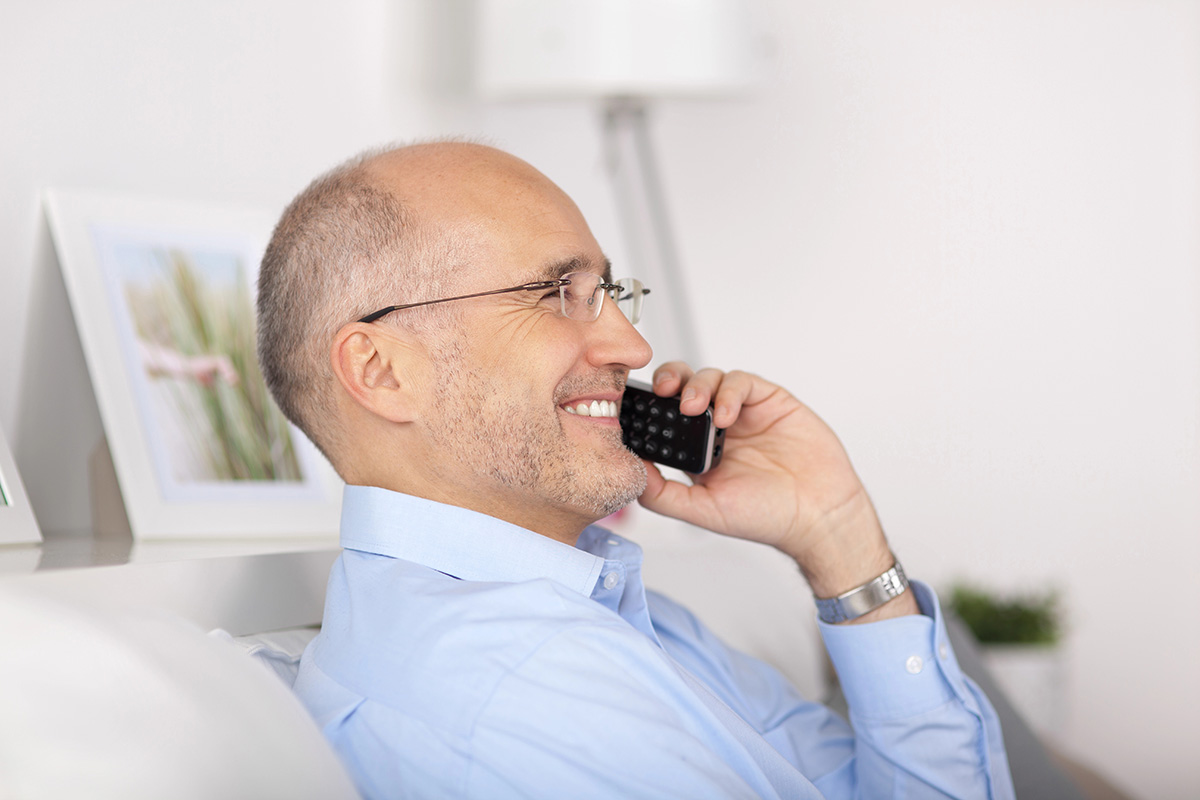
(503, 215)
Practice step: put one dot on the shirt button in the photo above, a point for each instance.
(611, 580)
(613, 543)
(914, 665)
(943, 651)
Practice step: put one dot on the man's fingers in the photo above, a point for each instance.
(695, 389)
(735, 388)
(727, 392)
(698, 391)
(670, 377)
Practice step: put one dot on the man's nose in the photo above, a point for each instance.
(613, 340)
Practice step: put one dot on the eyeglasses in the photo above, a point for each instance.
(581, 295)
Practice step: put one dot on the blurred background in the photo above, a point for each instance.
(967, 234)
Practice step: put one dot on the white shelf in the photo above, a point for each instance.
(241, 585)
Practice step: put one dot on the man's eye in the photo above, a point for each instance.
(551, 294)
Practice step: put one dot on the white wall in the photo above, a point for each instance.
(976, 224)
(966, 233)
(222, 100)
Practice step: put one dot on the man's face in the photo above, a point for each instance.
(512, 364)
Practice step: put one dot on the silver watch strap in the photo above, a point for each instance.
(868, 597)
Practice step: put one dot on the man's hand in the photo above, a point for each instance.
(784, 480)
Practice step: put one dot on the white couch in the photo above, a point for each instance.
(110, 699)
(171, 679)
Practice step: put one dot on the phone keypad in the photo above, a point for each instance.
(654, 428)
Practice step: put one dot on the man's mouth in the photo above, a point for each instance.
(596, 408)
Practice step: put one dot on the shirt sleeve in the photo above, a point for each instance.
(922, 728)
(919, 727)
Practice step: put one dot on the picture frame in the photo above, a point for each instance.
(162, 293)
(18, 525)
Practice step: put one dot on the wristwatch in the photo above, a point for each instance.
(868, 597)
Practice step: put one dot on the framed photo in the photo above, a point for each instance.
(17, 522)
(163, 298)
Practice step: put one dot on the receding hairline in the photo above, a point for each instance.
(450, 185)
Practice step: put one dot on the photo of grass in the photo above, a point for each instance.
(162, 296)
(192, 317)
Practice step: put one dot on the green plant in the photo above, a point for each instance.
(1025, 619)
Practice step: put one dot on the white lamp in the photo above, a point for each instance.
(613, 48)
(623, 52)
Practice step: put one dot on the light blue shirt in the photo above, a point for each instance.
(462, 656)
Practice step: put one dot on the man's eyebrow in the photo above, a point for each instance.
(577, 264)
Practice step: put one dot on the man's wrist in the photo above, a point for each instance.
(846, 551)
(862, 600)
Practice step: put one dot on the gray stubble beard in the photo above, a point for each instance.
(515, 449)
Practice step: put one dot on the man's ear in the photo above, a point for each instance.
(381, 368)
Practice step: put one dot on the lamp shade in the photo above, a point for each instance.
(613, 48)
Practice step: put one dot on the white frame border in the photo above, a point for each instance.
(73, 217)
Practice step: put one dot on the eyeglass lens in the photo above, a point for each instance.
(629, 300)
(583, 298)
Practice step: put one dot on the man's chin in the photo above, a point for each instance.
(630, 487)
(615, 480)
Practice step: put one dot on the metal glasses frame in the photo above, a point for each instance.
(525, 287)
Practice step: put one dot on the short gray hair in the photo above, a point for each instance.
(344, 247)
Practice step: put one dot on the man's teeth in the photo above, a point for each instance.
(596, 408)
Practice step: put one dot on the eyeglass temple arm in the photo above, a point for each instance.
(644, 292)
(383, 312)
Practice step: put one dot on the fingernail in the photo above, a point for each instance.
(662, 378)
(688, 394)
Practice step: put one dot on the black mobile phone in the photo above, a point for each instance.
(655, 429)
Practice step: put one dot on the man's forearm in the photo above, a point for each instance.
(848, 550)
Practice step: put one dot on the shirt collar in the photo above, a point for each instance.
(459, 542)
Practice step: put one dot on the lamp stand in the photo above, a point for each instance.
(645, 226)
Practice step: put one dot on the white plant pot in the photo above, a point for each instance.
(1034, 678)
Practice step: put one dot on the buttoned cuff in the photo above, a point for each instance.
(896, 668)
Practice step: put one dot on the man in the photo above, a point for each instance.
(435, 318)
